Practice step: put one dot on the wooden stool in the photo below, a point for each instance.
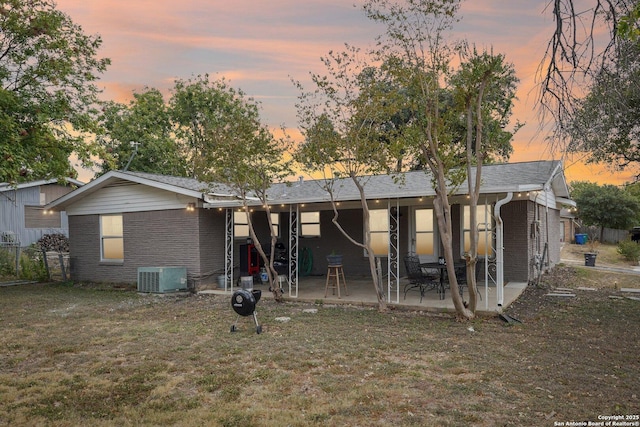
(333, 280)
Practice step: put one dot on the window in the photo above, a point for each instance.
(485, 236)
(240, 224)
(111, 238)
(379, 225)
(424, 232)
(275, 223)
(310, 224)
(36, 217)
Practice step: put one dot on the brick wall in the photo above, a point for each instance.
(84, 248)
(516, 217)
(528, 227)
(212, 246)
(332, 239)
(151, 239)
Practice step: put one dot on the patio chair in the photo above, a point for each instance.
(418, 277)
(461, 277)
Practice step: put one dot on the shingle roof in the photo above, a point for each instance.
(4, 186)
(496, 178)
(175, 181)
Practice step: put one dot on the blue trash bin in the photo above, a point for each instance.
(581, 239)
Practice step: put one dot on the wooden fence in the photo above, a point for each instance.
(609, 235)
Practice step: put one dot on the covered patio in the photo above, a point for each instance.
(360, 290)
(517, 221)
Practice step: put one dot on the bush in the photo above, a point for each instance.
(32, 266)
(7, 262)
(630, 250)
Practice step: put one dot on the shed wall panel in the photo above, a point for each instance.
(12, 213)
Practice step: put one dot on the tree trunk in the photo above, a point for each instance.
(271, 273)
(382, 303)
(474, 186)
(443, 214)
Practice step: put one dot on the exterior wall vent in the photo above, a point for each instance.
(162, 279)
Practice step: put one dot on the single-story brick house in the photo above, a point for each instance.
(126, 220)
(23, 220)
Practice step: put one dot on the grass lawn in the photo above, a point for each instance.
(607, 255)
(76, 355)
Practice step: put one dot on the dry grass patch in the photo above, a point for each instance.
(77, 355)
(607, 255)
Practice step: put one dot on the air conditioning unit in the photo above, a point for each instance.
(162, 279)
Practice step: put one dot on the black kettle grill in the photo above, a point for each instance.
(244, 303)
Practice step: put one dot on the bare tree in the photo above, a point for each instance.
(460, 114)
(414, 42)
(485, 86)
(341, 141)
(584, 39)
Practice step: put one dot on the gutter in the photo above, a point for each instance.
(566, 201)
(553, 175)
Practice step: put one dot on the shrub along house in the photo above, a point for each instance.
(124, 221)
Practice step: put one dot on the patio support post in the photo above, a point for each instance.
(393, 267)
(487, 244)
(500, 249)
(228, 259)
(293, 250)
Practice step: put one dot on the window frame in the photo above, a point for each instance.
(240, 214)
(275, 223)
(432, 232)
(111, 237)
(384, 231)
(305, 224)
(482, 230)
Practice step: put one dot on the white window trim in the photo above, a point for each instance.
(103, 237)
(436, 237)
(275, 222)
(480, 215)
(242, 216)
(303, 223)
(386, 254)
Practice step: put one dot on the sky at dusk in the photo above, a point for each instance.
(261, 46)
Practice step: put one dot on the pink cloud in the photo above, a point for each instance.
(260, 46)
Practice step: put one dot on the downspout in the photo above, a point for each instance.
(500, 249)
(546, 189)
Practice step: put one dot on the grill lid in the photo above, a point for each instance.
(244, 301)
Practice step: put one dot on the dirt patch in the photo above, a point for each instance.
(584, 282)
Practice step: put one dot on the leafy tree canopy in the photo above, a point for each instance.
(209, 115)
(605, 206)
(48, 67)
(139, 136)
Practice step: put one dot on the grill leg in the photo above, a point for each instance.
(234, 327)
(258, 326)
